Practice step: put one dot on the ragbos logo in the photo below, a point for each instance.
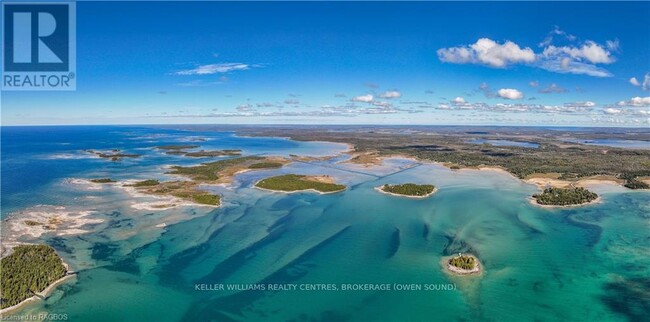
(39, 44)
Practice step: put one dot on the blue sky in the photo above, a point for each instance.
(508, 63)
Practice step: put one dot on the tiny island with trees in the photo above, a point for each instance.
(462, 264)
(28, 271)
(570, 196)
(411, 190)
(113, 155)
(296, 182)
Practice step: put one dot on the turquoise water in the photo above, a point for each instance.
(573, 264)
(506, 143)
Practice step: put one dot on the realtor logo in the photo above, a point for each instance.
(39, 46)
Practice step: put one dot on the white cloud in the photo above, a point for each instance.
(568, 66)
(568, 108)
(488, 52)
(634, 81)
(382, 104)
(640, 101)
(266, 104)
(589, 51)
(636, 102)
(214, 69)
(363, 98)
(494, 54)
(390, 94)
(646, 82)
(456, 55)
(575, 58)
(510, 93)
(580, 104)
(613, 44)
(611, 110)
(552, 88)
(245, 108)
(533, 83)
(556, 32)
(458, 100)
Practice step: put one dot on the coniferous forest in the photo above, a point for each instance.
(28, 270)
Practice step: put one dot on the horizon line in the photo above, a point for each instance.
(327, 124)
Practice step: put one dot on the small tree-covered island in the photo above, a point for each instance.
(462, 264)
(28, 271)
(411, 190)
(571, 196)
(296, 182)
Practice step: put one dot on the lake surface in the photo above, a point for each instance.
(616, 143)
(506, 143)
(586, 263)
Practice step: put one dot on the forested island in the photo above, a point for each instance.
(186, 190)
(565, 196)
(409, 190)
(29, 270)
(223, 170)
(295, 182)
(114, 155)
(213, 153)
(180, 149)
(463, 264)
(102, 180)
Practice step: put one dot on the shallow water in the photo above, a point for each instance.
(587, 263)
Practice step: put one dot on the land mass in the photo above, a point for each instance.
(28, 272)
(213, 153)
(462, 264)
(222, 171)
(217, 172)
(114, 155)
(408, 190)
(181, 150)
(186, 190)
(571, 196)
(453, 147)
(295, 182)
(102, 180)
